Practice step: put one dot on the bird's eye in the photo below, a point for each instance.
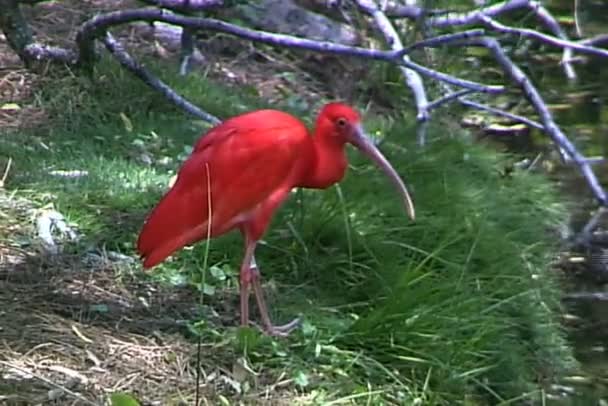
(341, 122)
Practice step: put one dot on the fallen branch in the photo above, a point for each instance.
(141, 72)
(99, 24)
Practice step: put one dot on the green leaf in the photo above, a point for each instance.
(10, 106)
(122, 399)
(301, 379)
(217, 272)
(208, 289)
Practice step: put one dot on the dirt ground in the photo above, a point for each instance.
(75, 328)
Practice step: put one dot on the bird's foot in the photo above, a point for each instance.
(282, 330)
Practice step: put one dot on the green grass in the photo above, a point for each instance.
(456, 308)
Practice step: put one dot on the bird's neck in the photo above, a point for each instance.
(327, 164)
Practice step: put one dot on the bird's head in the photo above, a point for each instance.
(343, 122)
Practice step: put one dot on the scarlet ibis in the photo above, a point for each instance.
(238, 175)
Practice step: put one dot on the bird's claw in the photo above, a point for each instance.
(282, 330)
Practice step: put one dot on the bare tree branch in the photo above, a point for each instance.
(100, 23)
(412, 78)
(141, 72)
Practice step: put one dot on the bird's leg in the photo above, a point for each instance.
(270, 328)
(245, 282)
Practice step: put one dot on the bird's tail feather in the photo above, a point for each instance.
(179, 219)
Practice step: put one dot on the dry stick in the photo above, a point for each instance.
(98, 24)
(117, 50)
(550, 127)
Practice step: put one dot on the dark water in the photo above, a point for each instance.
(581, 110)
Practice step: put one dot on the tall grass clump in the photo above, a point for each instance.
(463, 300)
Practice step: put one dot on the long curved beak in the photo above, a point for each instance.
(364, 144)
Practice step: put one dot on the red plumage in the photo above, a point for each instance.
(240, 172)
(241, 163)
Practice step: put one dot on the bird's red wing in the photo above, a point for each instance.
(232, 169)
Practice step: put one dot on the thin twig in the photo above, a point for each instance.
(444, 39)
(187, 51)
(551, 23)
(443, 77)
(6, 171)
(118, 51)
(448, 98)
(544, 38)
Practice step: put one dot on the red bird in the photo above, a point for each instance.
(238, 175)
